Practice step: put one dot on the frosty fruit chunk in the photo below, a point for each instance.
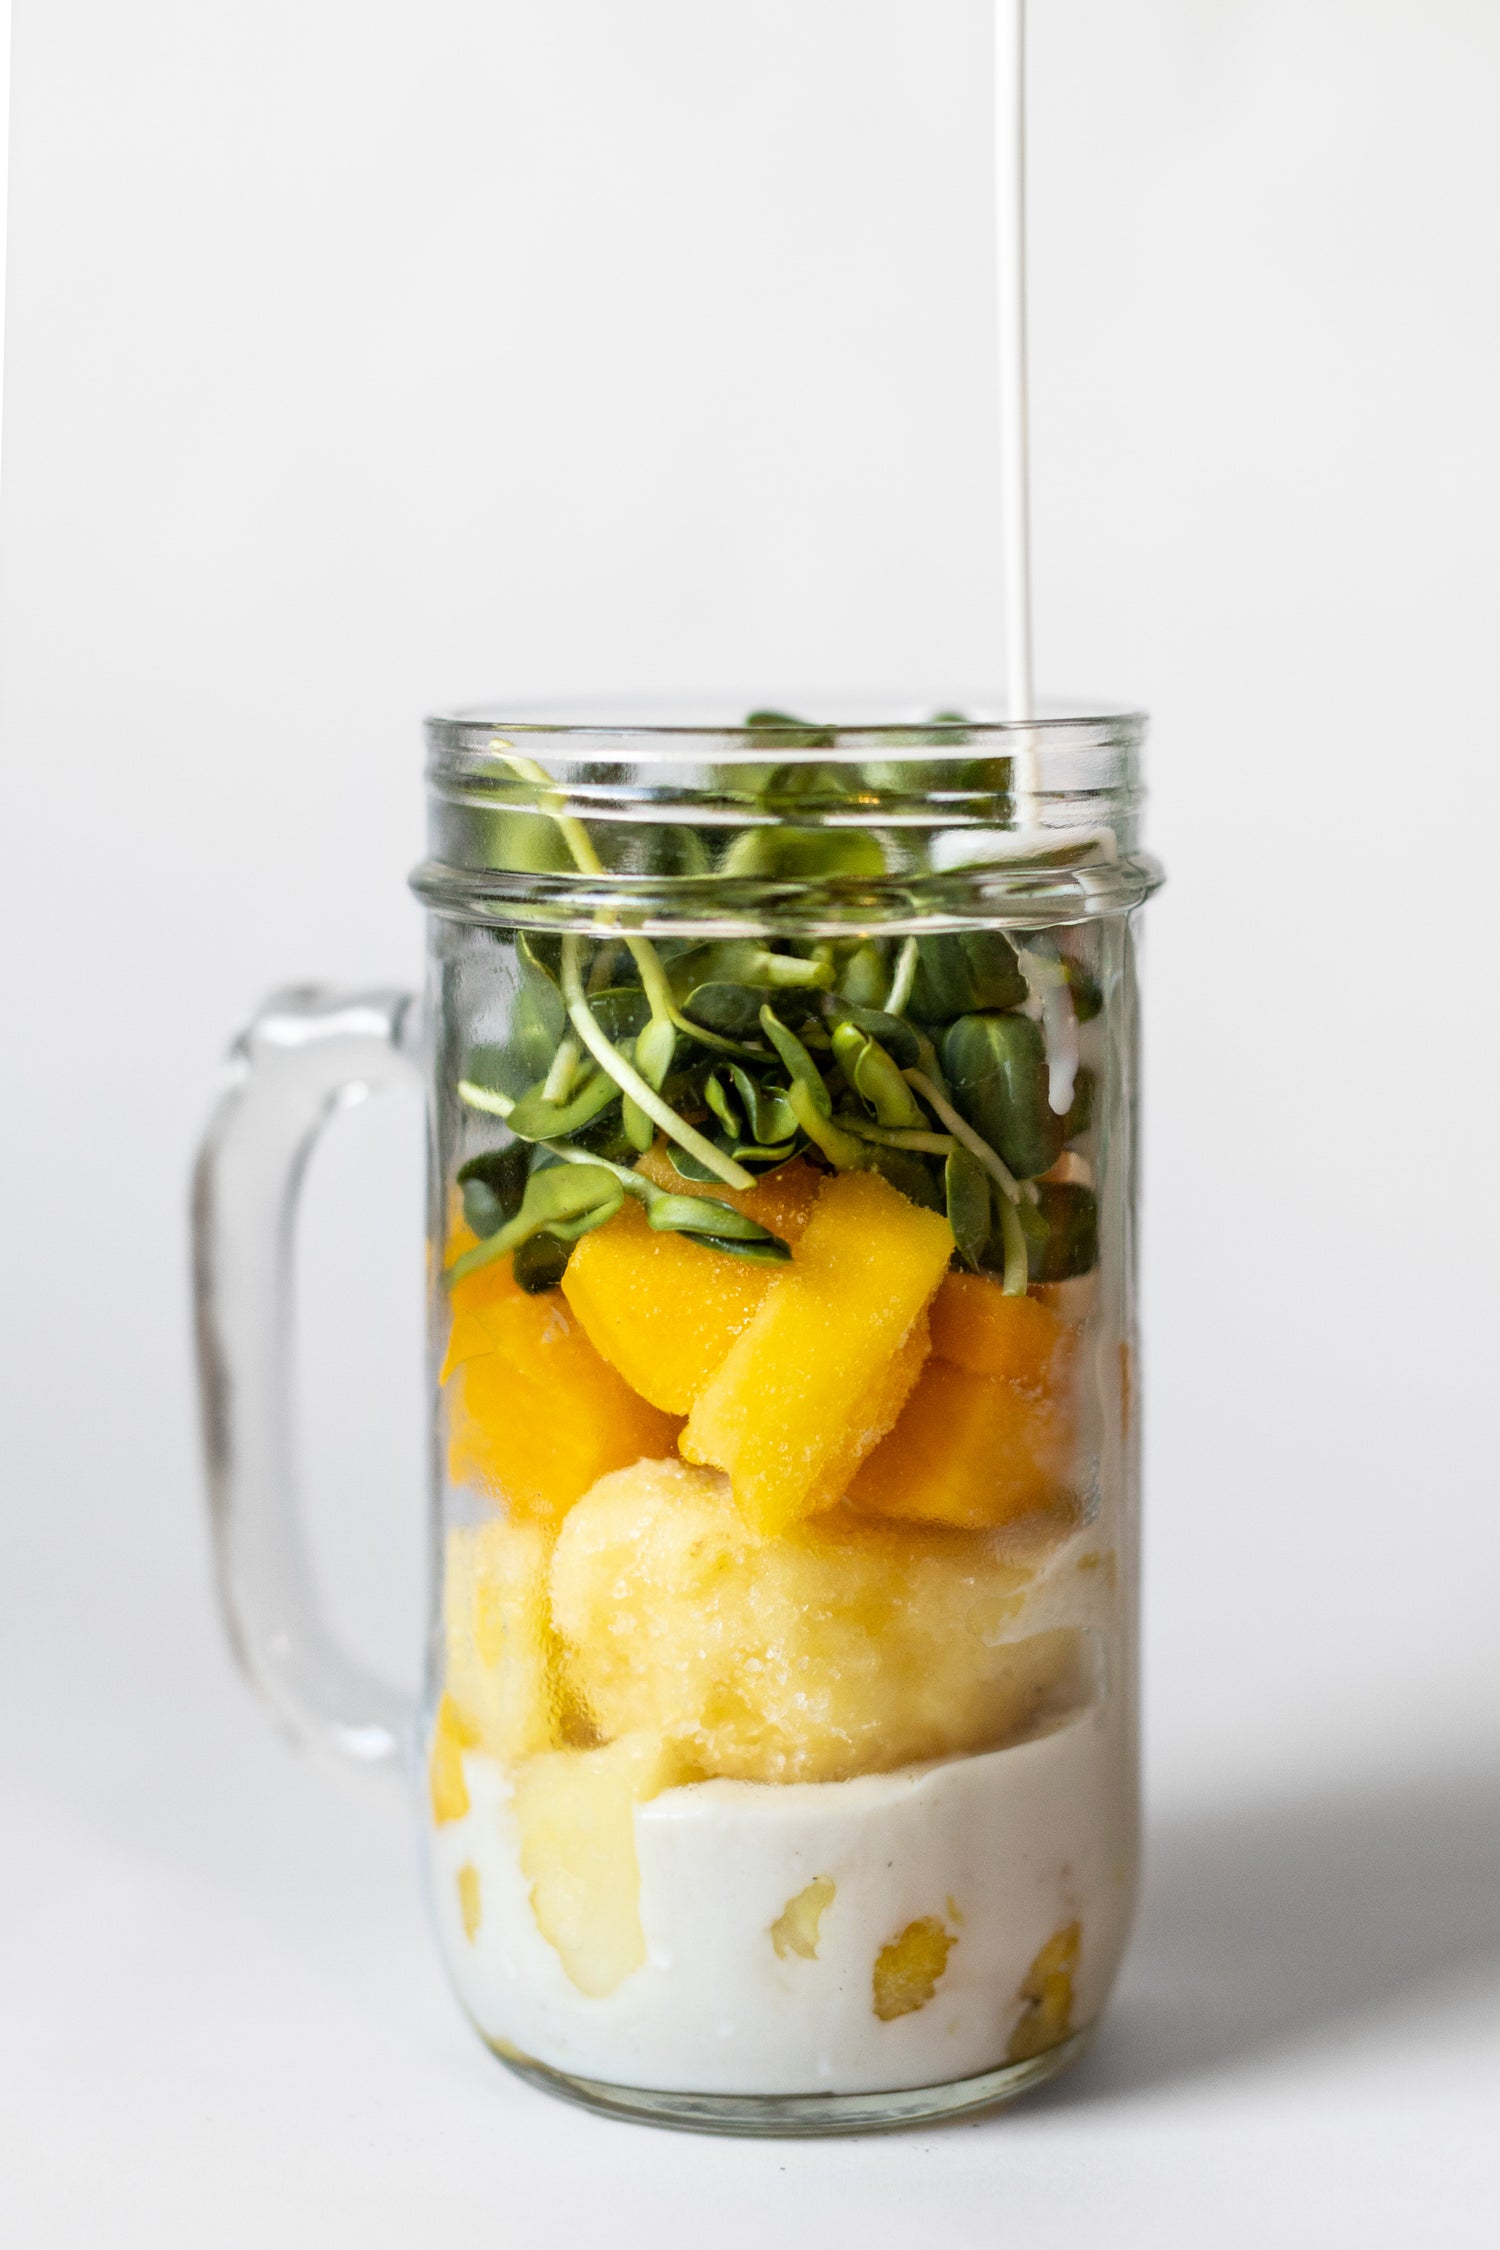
(497, 1636)
(1046, 2016)
(874, 1417)
(575, 1810)
(976, 1326)
(846, 1647)
(909, 1970)
(664, 1309)
(782, 1406)
(661, 1308)
(452, 1734)
(796, 1931)
(973, 1451)
(991, 1431)
(538, 1416)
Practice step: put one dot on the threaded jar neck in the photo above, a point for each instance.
(681, 826)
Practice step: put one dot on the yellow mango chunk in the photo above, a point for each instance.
(452, 1734)
(780, 1411)
(973, 1451)
(662, 1309)
(846, 1647)
(979, 1328)
(470, 1300)
(908, 1970)
(536, 1416)
(1046, 2017)
(498, 1655)
(575, 1810)
(876, 1415)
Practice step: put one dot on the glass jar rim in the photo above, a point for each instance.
(846, 728)
(664, 819)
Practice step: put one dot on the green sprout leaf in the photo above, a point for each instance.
(907, 1174)
(843, 1151)
(966, 1187)
(805, 855)
(744, 1152)
(721, 1102)
(767, 1111)
(539, 1265)
(996, 1066)
(539, 1021)
(493, 1187)
(702, 1217)
(534, 1118)
(804, 1071)
(790, 733)
(963, 972)
(876, 1079)
(865, 979)
(744, 961)
(718, 1223)
(1062, 1230)
(897, 1037)
(565, 1201)
(772, 1252)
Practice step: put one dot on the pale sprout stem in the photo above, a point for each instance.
(485, 1098)
(1017, 1267)
(558, 1083)
(889, 1136)
(904, 979)
(579, 842)
(630, 1081)
(963, 1131)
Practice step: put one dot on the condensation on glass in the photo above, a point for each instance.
(777, 1763)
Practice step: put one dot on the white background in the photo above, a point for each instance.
(369, 357)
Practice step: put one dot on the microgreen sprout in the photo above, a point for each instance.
(630, 1081)
(939, 1061)
(963, 1131)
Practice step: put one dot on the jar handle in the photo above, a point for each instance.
(308, 1054)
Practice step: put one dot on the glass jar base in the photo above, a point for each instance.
(802, 2116)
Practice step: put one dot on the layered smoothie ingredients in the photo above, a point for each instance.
(776, 1745)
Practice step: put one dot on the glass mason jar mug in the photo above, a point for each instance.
(778, 1757)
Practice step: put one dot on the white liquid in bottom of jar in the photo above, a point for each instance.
(1003, 1849)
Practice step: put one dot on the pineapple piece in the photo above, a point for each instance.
(797, 1927)
(536, 1415)
(785, 1407)
(972, 1451)
(499, 1655)
(909, 1970)
(977, 1327)
(452, 1735)
(470, 1901)
(846, 1647)
(1046, 2017)
(576, 1813)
